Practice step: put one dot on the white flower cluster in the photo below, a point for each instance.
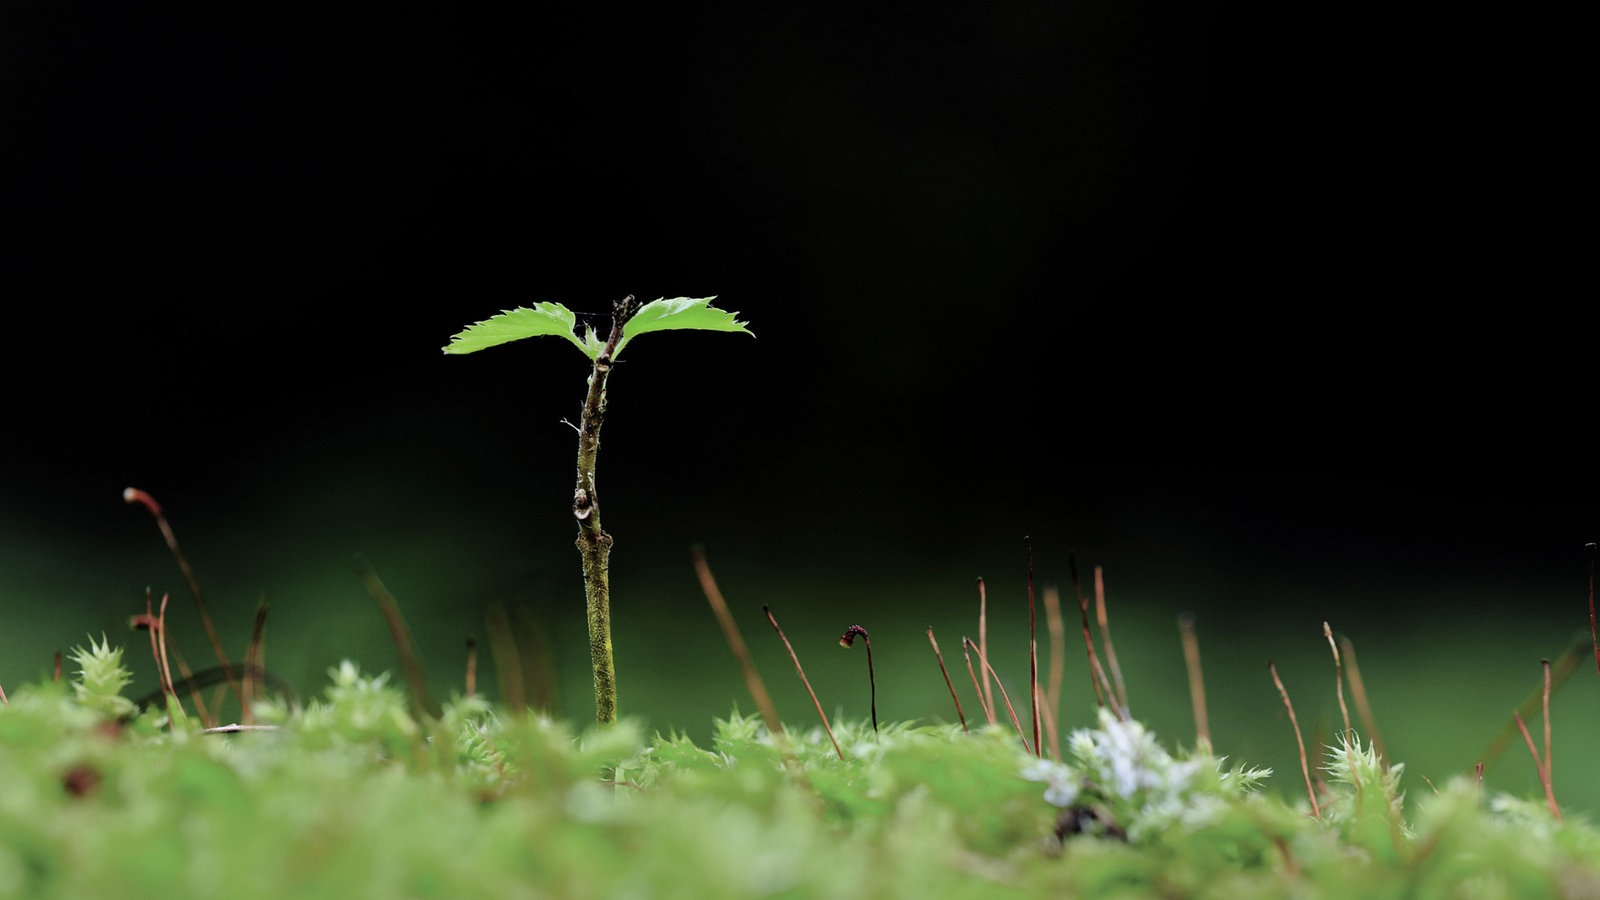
(1121, 765)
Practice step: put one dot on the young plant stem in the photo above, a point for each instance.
(730, 630)
(1197, 684)
(1305, 767)
(1363, 705)
(134, 495)
(805, 681)
(1033, 655)
(947, 683)
(422, 702)
(984, 661)
(594, 544)
(846, 641)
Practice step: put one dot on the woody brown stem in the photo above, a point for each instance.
(594, 544)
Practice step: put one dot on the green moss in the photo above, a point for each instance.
(351, 796)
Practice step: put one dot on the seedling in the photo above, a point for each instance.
(628, 320)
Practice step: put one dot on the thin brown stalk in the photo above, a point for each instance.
(507, 661)
(422, 702)
(1549, 770)
(1105, 639)
(1033, 655)
(988, 711)
(254, 661)
(1197, 686)
(1097, 675)
(56, 677)
(848, 639)
(1544, 774)
(472, 667)
(1594, 634)
(736, 644)
(984, 661)
(3, 699)
(1363, 707)
(805, 681)
(983, 646)
(1338, 675)
(1564, 666)
(1058, 646)
(134, 495)
(947, 683)
(1305, 768)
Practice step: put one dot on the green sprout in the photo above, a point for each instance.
(629, 319)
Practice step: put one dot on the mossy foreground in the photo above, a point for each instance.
(351, 795)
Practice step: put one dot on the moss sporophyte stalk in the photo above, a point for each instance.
(629, 319)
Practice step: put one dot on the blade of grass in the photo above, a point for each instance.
(1105, 640)
(982, 660)
(134, 495)
(805, 681)
(1305, 768)
(1363, 705)
(947, 683)
(741, 652)
(1197, 686)
(422, 702)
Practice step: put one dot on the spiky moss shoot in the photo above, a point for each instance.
(101, 679)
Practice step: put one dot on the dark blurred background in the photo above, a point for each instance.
(1274, 320)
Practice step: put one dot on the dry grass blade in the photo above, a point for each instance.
(507, 660)
(1033, 656)
(966, 652)
(1363, 706)
(134, 495)
(1338, 675)
(805, 681)
(1562, 669)
(1544, 774)
(1105, 639)
(422, 702)
(947, 683)
(1197, 685)
(741, 653)
(1097, 676)
(1305, 767)
(1058, 656)
(1004, 696)
(983, 648)
(1594, 635)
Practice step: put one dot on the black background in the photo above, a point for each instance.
(1251, 308)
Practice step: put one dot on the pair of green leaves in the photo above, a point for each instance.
(555, 319)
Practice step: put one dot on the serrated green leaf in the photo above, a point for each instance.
(516, 324)
(679, 312)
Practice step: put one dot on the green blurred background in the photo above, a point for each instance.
(1266, 320)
